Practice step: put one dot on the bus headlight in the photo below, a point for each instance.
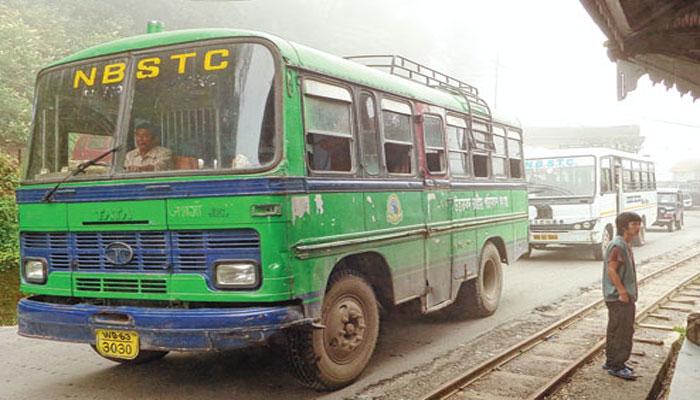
(577, 226)
(236, 275)
(34, 271)
(587, 225)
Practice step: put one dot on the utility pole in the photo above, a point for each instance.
(495, 89)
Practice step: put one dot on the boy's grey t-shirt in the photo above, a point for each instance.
(619, 249)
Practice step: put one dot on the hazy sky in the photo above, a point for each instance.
(542, 61)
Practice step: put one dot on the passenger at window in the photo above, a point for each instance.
(330, 154)
(148, 155)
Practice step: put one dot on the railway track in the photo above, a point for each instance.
(536, 366)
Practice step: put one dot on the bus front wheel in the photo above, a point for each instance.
(599, 249)
(334, 354)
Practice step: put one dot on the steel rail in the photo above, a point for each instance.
(552, 385)
(472, 375)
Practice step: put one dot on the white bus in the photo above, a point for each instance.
(575, 195)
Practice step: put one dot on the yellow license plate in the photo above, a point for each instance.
(117, 344)
(547, 236)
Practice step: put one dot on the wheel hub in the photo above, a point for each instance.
(345, 329)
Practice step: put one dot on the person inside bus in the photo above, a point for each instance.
(148, 155)
(330, 154)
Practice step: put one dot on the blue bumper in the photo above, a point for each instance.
(200, 329)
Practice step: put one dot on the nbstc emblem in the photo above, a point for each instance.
(119, 253)
(394, 214)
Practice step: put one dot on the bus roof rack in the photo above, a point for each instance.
(408, 69)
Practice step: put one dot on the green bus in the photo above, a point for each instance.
(204, 190)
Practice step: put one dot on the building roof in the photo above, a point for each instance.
(656, 37)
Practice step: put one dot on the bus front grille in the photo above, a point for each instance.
(121, 285)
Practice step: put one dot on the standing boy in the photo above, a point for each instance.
(620, 291)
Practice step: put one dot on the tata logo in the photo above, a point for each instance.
(119, 253)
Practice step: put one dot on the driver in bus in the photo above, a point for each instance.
(148, 155)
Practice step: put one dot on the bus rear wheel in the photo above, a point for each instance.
(335, 354)
(480, 297)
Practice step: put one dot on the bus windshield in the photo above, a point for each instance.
(668, 198)
(200, 108)
(561, 177)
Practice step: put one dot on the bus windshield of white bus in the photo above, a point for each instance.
(561, 176)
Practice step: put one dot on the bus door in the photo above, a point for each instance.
(609, 203)
(438, 243)
(619, 187)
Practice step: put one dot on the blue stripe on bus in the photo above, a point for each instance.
(237, 187)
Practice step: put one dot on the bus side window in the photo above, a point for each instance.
(627, 179)
(398, 137)
(327, 118)
(606, 185)
(483, 143)
(515, 154)
(434, 144)
(637, 175)
(367, 122)
(458, 146)
(499, 154)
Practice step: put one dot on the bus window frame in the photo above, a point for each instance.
(444, 171)
(467, 143)
(494, 153)
(278, 83)
(475, 151)
(361, 164)
(516, 135)
(609, 169)
(412, 133)
(352, 123)
(122, 134)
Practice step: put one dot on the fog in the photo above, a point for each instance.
(542, 61)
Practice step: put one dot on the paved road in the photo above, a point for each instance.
(34, 369)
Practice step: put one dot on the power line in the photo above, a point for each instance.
(672, 122)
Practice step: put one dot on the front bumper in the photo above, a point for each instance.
(565, 238)
(202, 329)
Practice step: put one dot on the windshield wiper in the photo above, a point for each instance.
(80, 169)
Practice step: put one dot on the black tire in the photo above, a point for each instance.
(480, 296)
(641, 239)
(335, 356)
(672, 225)
(528, 253)
(679, 224)
(599, 249)
(144, 356)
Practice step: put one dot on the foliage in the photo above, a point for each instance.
(8, 213)
(681, 330)
(9, 248)
(34, 33)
